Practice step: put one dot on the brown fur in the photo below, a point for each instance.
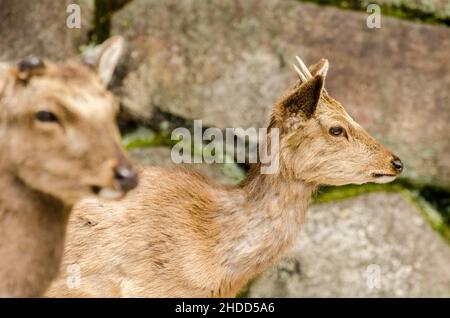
(181, 235)
(47, 166)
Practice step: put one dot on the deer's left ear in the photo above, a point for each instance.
(104, 57)
(304, 99)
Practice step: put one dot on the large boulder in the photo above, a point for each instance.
(375, 245)
(227, 62)
(39, 28)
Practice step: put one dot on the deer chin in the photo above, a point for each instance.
(108, 193)
(111, 194)
(383, 177)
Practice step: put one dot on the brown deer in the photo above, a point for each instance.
(181, 235)
(59, 143)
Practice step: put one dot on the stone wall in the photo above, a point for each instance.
(227, 62)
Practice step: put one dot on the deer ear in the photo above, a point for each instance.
(304, 99)
(320, 68)
(104, 57)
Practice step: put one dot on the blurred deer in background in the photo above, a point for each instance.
(59, 143)
(185, 236)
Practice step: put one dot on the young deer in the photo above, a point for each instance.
(181, 235)
(59, 143)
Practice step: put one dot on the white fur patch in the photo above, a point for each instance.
(384, 179)
(110, 194)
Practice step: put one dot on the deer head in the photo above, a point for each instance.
(320, 143)
(57, 126)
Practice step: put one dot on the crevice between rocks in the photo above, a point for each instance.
(103, 11)
(401, 11)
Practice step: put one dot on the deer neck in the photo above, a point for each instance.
(265, 222)
(32, 232)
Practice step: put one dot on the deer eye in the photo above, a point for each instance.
(337, 131)
(47, 117)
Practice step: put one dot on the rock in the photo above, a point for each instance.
(344, 246)
(160, 156)
(39, 28)
(227, 62)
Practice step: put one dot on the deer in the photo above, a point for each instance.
(59, 143)
(180, 234)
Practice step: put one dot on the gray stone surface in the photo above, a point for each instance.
(39, 28)
(343, 244)
(160, 156)
(227, 62)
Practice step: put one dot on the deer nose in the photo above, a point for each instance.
(397, 164)
(126, 177)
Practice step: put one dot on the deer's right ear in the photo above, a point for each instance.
(303, 100)
(104, 57)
